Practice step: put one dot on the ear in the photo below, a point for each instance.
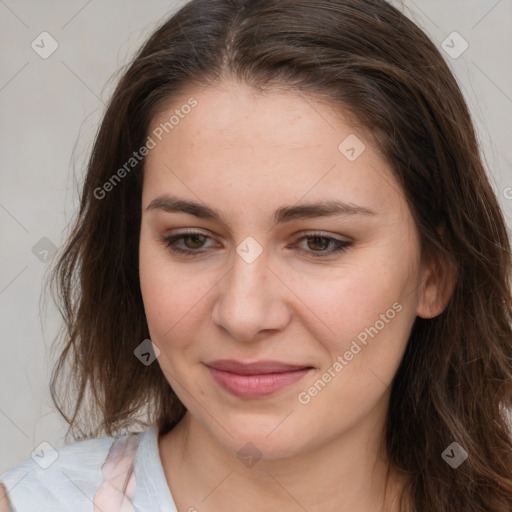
(439, 277)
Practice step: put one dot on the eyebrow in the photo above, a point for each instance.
(283, 214)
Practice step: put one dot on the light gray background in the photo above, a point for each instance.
(50, 109)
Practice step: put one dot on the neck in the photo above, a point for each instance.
(349, 473)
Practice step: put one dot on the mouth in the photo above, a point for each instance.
(256, 379)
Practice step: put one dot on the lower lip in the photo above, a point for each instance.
(255, 386)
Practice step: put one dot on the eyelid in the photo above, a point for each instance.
(172, 238)
(320, 233)
(300, 234)
(340, 245)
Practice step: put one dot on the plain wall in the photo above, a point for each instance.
(50, 112)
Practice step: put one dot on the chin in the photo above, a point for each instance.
(266, 438)
(255, 448)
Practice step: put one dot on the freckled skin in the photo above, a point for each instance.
(246, 155)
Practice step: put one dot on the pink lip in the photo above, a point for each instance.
(254, 380)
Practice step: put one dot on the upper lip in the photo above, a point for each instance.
(254, 368)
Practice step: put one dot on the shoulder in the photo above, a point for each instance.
(59, 479)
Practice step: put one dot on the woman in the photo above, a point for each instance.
(289, 257)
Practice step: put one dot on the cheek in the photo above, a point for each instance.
(366, 319)
(366, 316)
(172, 299)
(159, 287)
(336, 306)
(354, 299)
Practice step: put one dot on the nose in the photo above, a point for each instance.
(251, 299)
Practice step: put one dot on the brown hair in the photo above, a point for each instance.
(455, 380)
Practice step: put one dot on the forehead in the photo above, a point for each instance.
(263, 145)
(230, 112)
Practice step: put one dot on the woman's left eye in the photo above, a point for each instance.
(320, 244)
(320, 240)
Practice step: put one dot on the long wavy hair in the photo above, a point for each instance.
(366, 58)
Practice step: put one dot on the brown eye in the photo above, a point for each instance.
(318, 243)
(197, 241)
(187, 244)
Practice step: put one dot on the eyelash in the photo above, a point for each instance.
(339, 245)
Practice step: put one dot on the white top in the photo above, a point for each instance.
(121, 474)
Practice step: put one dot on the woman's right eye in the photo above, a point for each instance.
(194, 241)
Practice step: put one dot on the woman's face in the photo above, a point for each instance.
(280, 184)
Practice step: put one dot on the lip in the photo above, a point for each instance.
(255, 379)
